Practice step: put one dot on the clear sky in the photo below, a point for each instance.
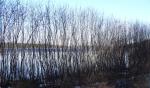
(122, 9)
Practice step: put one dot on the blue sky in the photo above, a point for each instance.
(122, 9)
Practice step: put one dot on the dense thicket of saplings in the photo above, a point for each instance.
(50, 44)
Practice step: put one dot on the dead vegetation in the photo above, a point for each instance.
(68, 47)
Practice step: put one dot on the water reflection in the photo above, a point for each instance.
(56, 64)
